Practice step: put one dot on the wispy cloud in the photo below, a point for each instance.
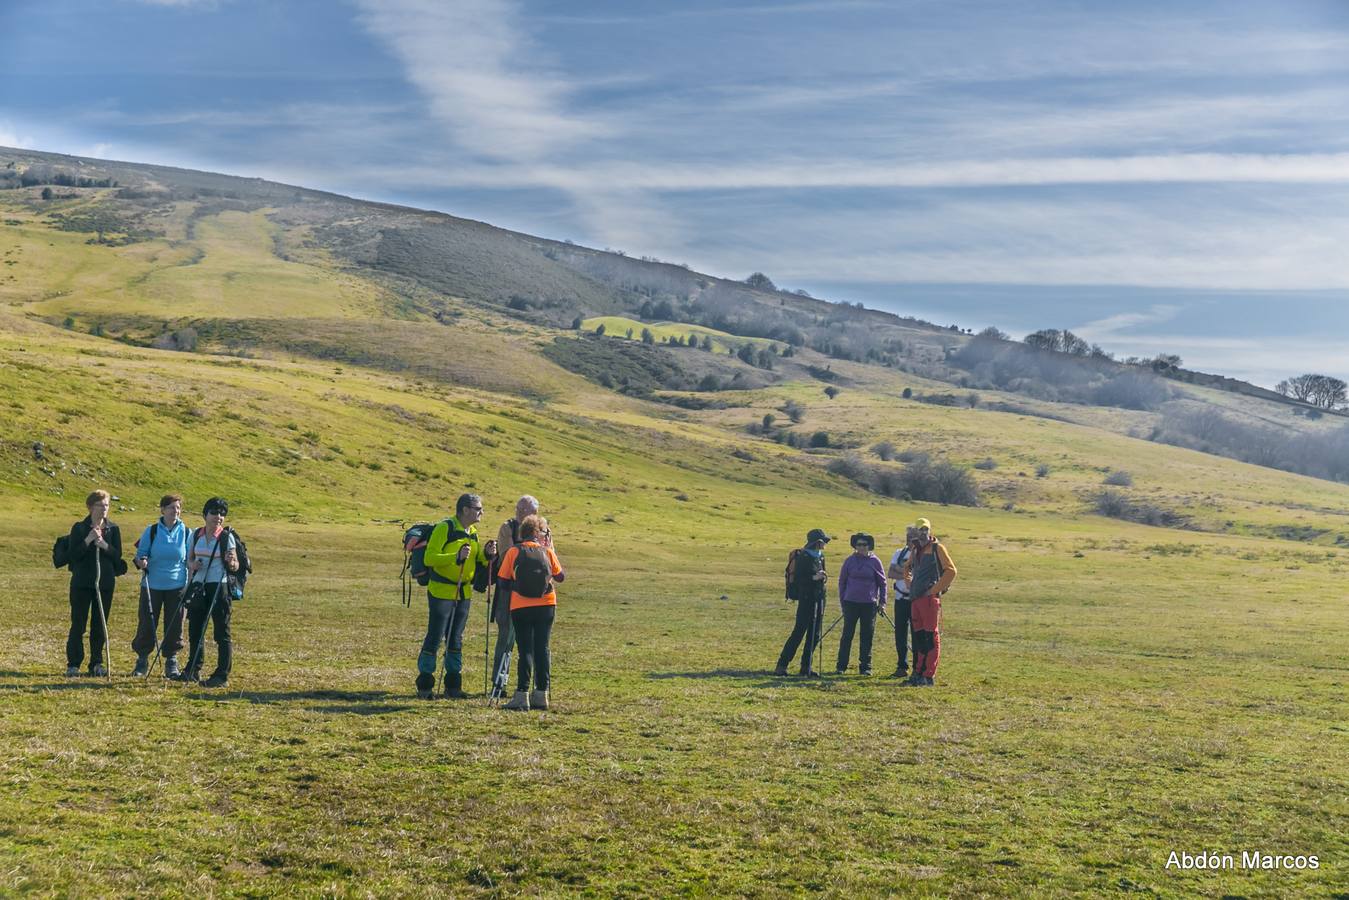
(1113, 326)
(468, 57)
(1307, 168)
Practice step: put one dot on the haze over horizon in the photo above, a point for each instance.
(1155, 179)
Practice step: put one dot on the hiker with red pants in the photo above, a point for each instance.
(928, 572)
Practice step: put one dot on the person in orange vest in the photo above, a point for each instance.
(928, 572)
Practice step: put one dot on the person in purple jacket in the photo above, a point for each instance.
(861, 592)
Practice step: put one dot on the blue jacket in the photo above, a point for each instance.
(167, 556)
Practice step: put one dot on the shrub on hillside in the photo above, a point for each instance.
(1042, 470)
(884, 449)
(1119, 478)
(939, 482)
(986, 465)
(1116, 506)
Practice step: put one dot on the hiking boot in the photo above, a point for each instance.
(538, 699)
(217, 681)
(914, 681)
(189, 676)
(454, 686)
(928, 682)
(99, 671)
(142, 666)
(426, 683)
(901, 672)
(72, 671)
(841, 670)
(780, 671)
(519, 700)
(866, 671)
(171, 670)
(809, 673)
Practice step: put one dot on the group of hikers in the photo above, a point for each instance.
(921, 571)
(454, 563)
(185, 572)
(198, 574)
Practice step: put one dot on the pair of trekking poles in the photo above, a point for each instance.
(819, 620)
(181, 607)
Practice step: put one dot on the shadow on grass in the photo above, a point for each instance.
(362, 703)
(764, 678)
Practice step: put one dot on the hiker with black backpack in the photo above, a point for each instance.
(861, 593)
(457, 565)
(806, 578)
(161, 554)
(508, 536)
(928, 572)
(532, 569)
(94, 554)
(214, 556)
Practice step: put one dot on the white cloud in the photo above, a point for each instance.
(1111, 326)
(12, 137)
(468, 57)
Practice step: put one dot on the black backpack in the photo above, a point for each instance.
(238, 578)
(533, 572)
(61, 552)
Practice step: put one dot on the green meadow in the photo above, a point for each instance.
(1108, 692)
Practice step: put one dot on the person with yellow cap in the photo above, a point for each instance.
(928, 572)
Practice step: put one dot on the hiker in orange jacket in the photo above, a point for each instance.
(928, 572)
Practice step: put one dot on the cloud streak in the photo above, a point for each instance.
(466, 56)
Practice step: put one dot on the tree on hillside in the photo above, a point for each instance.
(576, 324)
(648, 337)
(994, 334)
(761, 282)
(707, 342)
(831, 392)
(1057, 341)
(599, 329)
(1319, 390)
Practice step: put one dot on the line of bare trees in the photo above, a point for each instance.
(1318, 390)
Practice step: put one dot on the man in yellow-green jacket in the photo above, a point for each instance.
(453, 555)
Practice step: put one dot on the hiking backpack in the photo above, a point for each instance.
(414, 559)
(790, 572)
(238, 578)
(533, 572)
(61, 552)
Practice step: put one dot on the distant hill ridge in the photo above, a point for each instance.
(244, 265)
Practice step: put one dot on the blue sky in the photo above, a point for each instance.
(1155, 176)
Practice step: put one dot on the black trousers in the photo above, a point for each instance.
(199, 603)
(903, 631)
(81, 605)
(808, 613)
(853, 614)
(152, 607)
(533, 629)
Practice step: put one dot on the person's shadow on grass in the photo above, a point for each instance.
(763, 678)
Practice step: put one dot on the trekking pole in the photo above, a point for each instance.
(881, 610)
(178, 608)
(201, 642)
(102, 619)
(487, 630)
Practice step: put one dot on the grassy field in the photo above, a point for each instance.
(1108, 692)
(617, 326)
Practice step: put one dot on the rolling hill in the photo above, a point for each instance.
(1109, 690)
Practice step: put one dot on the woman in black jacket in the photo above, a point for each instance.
(95, 562)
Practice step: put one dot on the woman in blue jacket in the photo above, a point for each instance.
(161, 553)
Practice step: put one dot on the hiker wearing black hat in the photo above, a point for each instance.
(861, 592)
(806, 579)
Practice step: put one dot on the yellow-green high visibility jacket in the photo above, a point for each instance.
(449, 580)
